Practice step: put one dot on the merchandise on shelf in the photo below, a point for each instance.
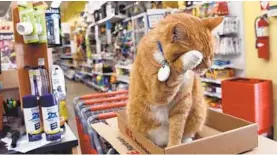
(8, 55)
(213, 102)
(220, 73)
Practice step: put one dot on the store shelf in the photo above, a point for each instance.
(79, 76)
(217, 81)
(127, 19)
(139, 30)
(217, 95)
(66, 57)
(86, 65)
(128, 31)
(90, 83)
(99, 73)
(67, 65)
(64, 46)
(112, 19)
(85, 73)
(216, 109)
(129, 67)
(123, 78)
(222, 67)
(68, 77)
(103, 58)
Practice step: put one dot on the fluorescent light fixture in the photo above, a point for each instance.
(56, 3)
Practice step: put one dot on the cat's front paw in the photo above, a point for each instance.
(187, 140)
(191, 59)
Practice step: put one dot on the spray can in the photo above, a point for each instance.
(51, 120)
(32, 117)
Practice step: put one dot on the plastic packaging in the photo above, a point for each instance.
(27, 23)
(41, 22)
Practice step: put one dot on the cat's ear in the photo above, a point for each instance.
(177, 32)
(211, 23)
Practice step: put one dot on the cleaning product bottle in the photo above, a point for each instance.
(51, 120)
(32, 117)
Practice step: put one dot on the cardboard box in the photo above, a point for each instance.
(222, 134)
(111, 134)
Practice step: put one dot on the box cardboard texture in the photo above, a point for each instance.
(222, 134)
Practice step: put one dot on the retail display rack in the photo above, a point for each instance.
(229, 54)
(63, 57)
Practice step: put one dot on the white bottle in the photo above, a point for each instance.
(51, 119)
(32, 117)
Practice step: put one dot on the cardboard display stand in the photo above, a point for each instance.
(27, 55)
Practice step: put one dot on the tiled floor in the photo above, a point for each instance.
(74, 89)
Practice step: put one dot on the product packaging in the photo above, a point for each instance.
(27, 25)
(58, 85)
(53, 23)
(40, 21)
(32, 117)
(39, 79)
(35, 87)
(51, 120)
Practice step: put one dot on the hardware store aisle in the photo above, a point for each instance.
(74, 89)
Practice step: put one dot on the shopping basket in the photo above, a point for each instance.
(94, 108)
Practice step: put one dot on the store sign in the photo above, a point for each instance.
(6, 27)
(264, 5)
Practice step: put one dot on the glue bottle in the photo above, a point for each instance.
(32, 117)
(51, 120)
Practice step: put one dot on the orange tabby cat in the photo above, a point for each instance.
(171, 112)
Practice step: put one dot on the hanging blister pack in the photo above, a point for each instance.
(39, 79)
(226, 35)
(58, 83)
(229, 25)
(58, 86)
